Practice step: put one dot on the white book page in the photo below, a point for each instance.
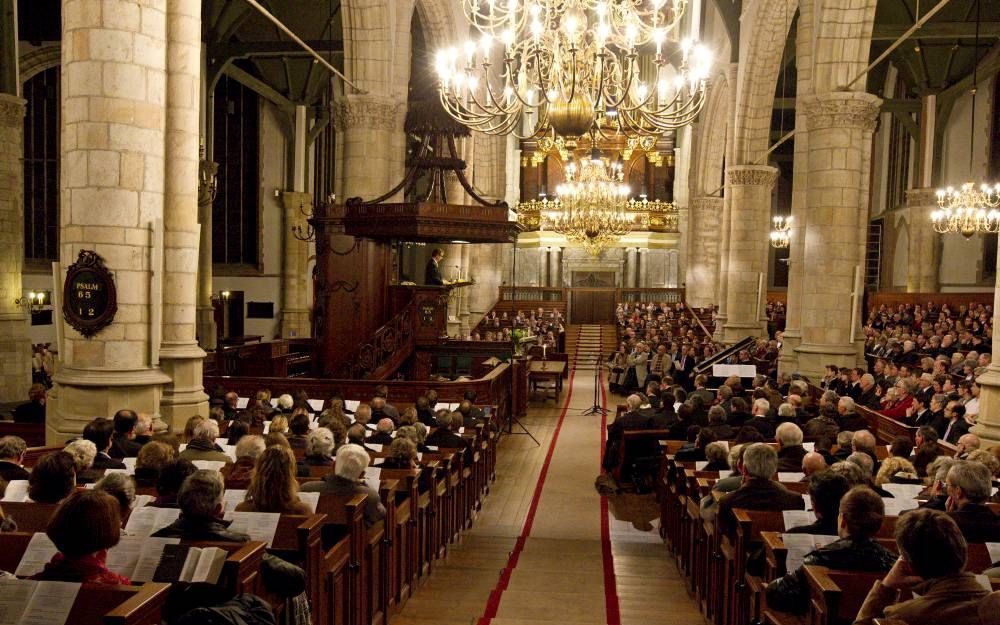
(137, 557)
(146, 521)
(376, 447)
(229, 450)
(258, 525)
(190, 564)
(242, 403)
(984, 581)
(208, 465)
(130, 465)
(50, 604)
(798, 518)
(808, 502)
(799, 545)
(14, 597)
(373, 477)
(895, 505)
(267, 427)
(207, 560)
(17, 490)
(149, 558)
(994, 550)
(351, 404)
(700, 465)
(40, 550)
(809, 446)
(232, 498)
(310, 499)
(904, 491)
(316, 404)
(790, 476)
(432, 448)
(141, 501)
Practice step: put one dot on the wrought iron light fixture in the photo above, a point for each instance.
(968, 210)
(34, 301)
(781, 232)
(572, 67)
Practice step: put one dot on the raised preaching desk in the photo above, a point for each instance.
(542, 370)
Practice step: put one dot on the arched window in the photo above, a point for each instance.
(41, 166)
(236, 211)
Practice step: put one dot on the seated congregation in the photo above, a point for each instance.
(260, 514)
(789, 502)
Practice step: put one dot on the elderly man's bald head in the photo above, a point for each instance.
(813, 462)
(385, 425)
(863, 440)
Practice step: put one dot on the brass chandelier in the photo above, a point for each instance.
(572, 67)
(592, 207)
(780, 234)
(968, 210)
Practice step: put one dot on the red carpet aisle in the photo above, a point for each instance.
(544, 549)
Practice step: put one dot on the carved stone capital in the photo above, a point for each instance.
(842, 109)
(708, 204)
(354, 112)
(751, 175)
(921, 198)
(11, 111)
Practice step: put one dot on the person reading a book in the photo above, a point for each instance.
(169, 481)
(248, 450)
(121, 487)
(200, 501)
(402, 455)
(153, 456)
(320, 444)
(861, 513)
(82, 554)
(273, 487)
(348, 478)
(53, 478)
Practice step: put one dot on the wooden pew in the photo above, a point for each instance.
(33, 454)
(344, 540)
(32, 433)
(630, 440)
(30, 517)
(299, 540)
(404, 554)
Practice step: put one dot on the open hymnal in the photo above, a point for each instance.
(790, 476)
(17, 490)
(895, 505)
(135, 557)
(373, 478)
(376, 447)
(184, 563)
(904, 491)
(146, 521)
(208, 465)
(29, 602)
(994, 550)
(799, 545)
(257, 525)
(798, 518)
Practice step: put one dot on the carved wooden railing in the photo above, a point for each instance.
(635, 296)
(532, 294)
(387, 349)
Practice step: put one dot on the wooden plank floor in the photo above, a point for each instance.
(560, 573)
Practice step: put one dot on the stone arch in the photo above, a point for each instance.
(764, 30)
(441, 20)
(843, 44)
(37, 60)
(712, 138)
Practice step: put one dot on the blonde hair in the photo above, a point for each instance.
(273, 487)
(279, 424)
(890, 467)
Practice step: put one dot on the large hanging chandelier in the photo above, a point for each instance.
(780, 234)
(968, 210)
(571, 67)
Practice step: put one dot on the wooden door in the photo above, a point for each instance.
(592, 298)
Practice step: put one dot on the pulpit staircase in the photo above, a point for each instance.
(587, 345)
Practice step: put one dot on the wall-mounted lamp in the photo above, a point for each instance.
(224, 295)
(34, 300)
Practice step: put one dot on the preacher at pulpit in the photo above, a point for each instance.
(432, 274)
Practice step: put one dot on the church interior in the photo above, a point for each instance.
(503, 312)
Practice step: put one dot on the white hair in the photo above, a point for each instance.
(762, 404)
(83, 452)
(207, 430)
(788, 434)
(319, 442)
(250, 446)
(143, 425)
(285, 402)
(351, 461)
(847, 403)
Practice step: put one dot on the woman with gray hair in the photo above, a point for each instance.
(83, 453)
(348, 478)
(319, 449)
(717, 455)
(122, 488)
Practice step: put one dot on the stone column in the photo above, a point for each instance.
(840, 131)
(207, 331)
(631, 258)
(703, 257)
(15, 347)
(750, 192)
(555, 261)
(295, 276)
(988, 425)
(722, 297)
(180, 356)
(112, 192)
(464, 293)
(924, 254)
(643, 268)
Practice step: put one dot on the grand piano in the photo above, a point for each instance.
(708, 367)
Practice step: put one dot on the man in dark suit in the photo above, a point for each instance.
(968, 487)
(446, 436)
(757, 492)
(868, 398)
(424, 413)
(12, 457)
(34, 410)
(383, 433)
(956, 425)
(99, 432)
(634, 419)
(790, 449)
(684, 364)
(432, 273)
(123, 445)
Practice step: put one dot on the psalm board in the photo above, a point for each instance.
(90, 299)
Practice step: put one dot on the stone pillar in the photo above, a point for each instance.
(750, 191)
(207, 331)
(464, 293)
(703, 257)
(722, 296)
(631, 258)
(555, 262)
(988, 425)
(15, 347)
(643, 268)
(295, 275)
(840, 131)
(112, 192)
(180, 356)
(924, 253)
